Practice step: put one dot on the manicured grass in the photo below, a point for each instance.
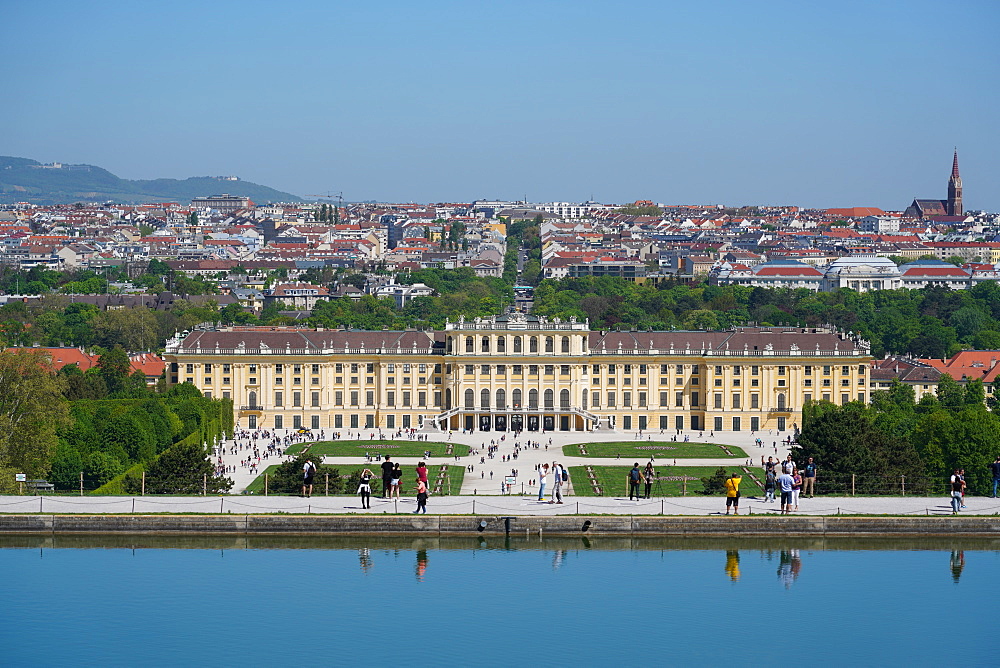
(614, 480)
(408, 482)
(643, 450)
(397, 448)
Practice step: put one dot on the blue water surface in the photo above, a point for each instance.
(495, 607)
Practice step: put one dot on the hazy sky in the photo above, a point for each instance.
(814, 104)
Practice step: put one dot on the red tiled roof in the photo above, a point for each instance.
(789, 271)
(936, 271)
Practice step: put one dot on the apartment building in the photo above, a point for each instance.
(521, 373)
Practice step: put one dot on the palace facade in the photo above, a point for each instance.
(521, 373)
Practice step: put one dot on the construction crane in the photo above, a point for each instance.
(339, 196)
(330, 195)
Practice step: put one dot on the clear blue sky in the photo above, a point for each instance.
(814, 104)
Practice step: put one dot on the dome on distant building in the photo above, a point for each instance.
(862, 273)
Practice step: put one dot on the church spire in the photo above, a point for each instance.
(954, 204)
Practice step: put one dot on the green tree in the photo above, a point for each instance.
(115, 368)
(845, 441)
(32, 410)
(183, 469)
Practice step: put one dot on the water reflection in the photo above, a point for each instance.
(365, 557)
(789, 565)
(733, 565)
(957, 564)
(557, 559)
(421, 565)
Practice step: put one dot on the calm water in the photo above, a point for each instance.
(554, 602)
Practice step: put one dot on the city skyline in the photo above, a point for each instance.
(856, 105)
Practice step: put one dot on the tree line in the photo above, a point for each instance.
(897, 440)
(932, 322)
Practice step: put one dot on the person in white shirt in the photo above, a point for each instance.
(786, 483)
(557, 481)
(542, 475)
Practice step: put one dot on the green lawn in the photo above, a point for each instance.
(642, 450)
(408, 485)
(613, 480)
(397, 448)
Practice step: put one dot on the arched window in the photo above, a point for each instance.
(470, 399)
(585, 400)
(517, 344)
(516, 399)
(469, 345)
(447, 399)
(484, 399)
(564, 399)
(502, 344)
(252, 398)
(451, 341)
(548, 398)
(548, 345)
(533, 344)
(781, 402)
(486, 344)
(565, 344)
(501, 399)
(532, 398)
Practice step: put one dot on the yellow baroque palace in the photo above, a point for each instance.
(521, 373)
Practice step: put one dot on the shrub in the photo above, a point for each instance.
(715, 483)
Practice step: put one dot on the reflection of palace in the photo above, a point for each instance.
(519, 373)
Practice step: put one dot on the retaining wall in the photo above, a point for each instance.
(446, 525)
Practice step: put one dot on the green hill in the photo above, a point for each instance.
(24, 180)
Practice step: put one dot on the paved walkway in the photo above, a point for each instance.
(488, 505)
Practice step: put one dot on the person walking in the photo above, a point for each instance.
(557, 481)
(308, 473)
(770, 483)
(397, 481)
(809, 478)
(422, 473)
(785, 483)
(387, 468)
(648, 476)
(995, 468)
(365, 488)
(733, 493)
(421, 497)
(957, 487)
(796, 487)
(543, 474)
(634, 478)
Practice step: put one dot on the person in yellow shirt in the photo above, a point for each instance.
(733, 493)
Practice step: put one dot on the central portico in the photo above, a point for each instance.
(518, 373)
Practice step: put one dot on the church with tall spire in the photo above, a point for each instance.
(955, 189)
(937, 208)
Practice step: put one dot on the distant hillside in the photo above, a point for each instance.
(24, 180)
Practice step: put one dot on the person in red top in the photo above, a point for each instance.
(422, 472)
(421, 496)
